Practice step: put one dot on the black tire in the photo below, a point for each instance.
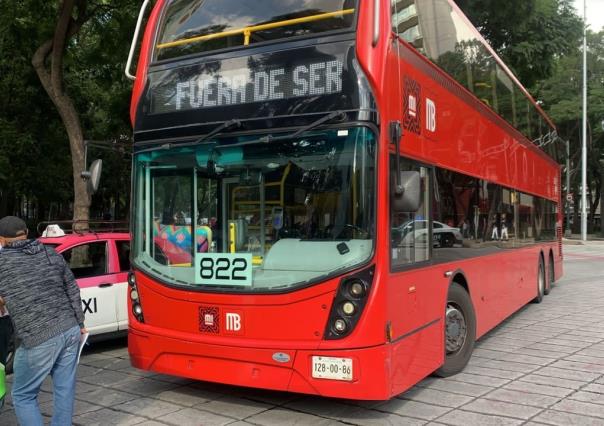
(540, 282)
(459, 343)
(448, 240)
(550, 276)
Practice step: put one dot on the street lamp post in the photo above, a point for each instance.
(584, 145)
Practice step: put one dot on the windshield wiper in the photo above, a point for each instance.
(339, 114)
(226, 125)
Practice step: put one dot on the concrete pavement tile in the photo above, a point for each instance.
(458, 387)
(580, 407)
(521, 397)
(187, 396)
(596, 398)
(147, 407)
(525, 359)
(580, 366)
(560, 418)
(107, 417)
(511, 366)
(437, 397)
(552, 381)
(109, 363)
(235, 407)
(108, 378)
(578, 336)
(410, 408)
(567, 374)
(80, 407)
(547, 355)
(335, 410)
(594, 387)
(492, 372)
(145, 387)
(540, 389)
(499, 408)
(467, 418)
(105, 397)
(280, 417)
(487, 353)
(193, 417)
(587, 359)
(577, 344)
(591, 351)
(550, 347)
(476, 379)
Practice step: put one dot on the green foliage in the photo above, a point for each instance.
(35, 159)
(528, 35)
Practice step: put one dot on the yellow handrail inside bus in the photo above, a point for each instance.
(247, 31)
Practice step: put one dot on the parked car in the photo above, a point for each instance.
(100, 262)
(413, 232)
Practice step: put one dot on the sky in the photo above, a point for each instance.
(595, 13)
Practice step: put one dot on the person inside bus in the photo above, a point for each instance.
(504, 228)
(495, 232)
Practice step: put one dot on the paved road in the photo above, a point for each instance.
(545, 365)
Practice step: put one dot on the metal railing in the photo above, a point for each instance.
(247, 31)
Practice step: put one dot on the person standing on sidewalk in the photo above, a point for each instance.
(44, 302)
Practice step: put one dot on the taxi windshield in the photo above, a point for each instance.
(201, 26)
(256, 216)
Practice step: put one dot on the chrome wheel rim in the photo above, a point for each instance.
(541, 280)
(456, 329)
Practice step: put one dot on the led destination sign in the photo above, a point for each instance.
(192, 88)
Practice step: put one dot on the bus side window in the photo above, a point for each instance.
(409, 231)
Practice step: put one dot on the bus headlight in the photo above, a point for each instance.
(348, 308)
(339, 325)
(348, 304)
(137, 309)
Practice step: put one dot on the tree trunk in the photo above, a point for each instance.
(48, 63)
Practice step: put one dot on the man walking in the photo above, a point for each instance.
(45, 306)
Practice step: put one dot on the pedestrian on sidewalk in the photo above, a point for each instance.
(45, 306)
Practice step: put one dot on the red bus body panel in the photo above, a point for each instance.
(410, 304)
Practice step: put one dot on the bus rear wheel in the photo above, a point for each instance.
(460, 331)
(540, 282)
(550, 276)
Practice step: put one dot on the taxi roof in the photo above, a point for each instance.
(84, 237)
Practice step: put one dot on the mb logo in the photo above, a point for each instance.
(233, 322)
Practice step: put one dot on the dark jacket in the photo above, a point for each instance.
(40, 292)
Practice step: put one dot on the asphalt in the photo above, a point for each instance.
(544, 365)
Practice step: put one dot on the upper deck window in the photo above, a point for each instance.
(201, 26)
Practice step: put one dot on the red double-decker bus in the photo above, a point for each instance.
(333, 197)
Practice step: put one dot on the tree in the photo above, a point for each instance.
(528, 35)
(49, 63)
(561, 95)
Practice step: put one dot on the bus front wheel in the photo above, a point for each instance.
(460, 331)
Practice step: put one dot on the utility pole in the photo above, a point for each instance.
(584, 145)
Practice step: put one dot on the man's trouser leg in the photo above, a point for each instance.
(31, 367)
(64, 378)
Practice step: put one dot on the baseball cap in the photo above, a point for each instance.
(12, 227)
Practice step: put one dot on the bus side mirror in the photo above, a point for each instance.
(407, 198)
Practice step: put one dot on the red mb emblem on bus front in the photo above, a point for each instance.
(209, 320)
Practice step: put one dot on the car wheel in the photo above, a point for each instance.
(540, 282)
(460, 331)
(448, 240)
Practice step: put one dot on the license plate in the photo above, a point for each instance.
(324, 367)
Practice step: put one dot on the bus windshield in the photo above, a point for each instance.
(255, 214)
(201, 26)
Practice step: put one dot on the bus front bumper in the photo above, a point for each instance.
(276, 369)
